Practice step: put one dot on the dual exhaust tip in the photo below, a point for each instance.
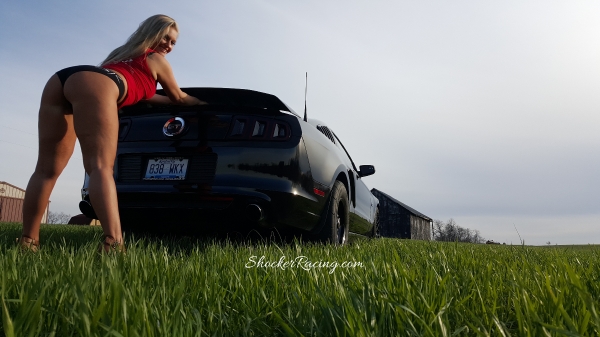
(254, 213)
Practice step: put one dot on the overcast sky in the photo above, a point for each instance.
(488, 113)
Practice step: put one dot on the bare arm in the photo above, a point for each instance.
(164, 75)
(159, 99)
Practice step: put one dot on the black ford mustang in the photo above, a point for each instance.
(243, 158)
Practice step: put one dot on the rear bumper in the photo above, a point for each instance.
(219, 205)
(277, 180)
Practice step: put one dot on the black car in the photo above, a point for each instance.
(243, 158)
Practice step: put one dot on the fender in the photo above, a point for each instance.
(322, 150)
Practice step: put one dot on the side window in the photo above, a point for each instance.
(347, 154)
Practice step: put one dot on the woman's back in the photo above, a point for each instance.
(141, 83)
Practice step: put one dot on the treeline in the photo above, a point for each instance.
(451, 232)
(58, 218)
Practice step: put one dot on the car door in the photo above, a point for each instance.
(361, 201)
(363, 205)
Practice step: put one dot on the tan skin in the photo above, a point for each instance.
(86, 109)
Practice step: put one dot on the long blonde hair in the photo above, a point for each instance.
(148, 35)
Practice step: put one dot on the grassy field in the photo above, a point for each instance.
(191, 287)
(584, 247)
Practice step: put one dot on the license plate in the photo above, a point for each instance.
(170, 168)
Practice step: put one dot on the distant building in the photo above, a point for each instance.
(11, 203)
(397, 220)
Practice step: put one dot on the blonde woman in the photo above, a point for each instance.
(82, 102)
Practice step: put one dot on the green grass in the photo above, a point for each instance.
(189, 287)
(574, 247)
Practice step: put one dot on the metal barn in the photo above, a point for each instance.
(397, 220)
(11, 203)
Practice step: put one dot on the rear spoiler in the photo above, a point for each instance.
(216, 99)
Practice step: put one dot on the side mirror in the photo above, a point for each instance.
(366, 170)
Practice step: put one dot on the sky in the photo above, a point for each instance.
(484, 112)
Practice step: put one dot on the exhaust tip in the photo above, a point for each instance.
(254, 212)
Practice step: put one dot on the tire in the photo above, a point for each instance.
(335, 229)
(376, 233)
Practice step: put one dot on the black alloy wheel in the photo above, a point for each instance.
(335, 229)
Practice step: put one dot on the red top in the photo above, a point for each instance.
(140, 82)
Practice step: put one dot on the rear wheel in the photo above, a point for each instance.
(335, 229)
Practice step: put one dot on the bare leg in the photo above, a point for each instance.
(56, 143)
(94, 100)
(94, 119)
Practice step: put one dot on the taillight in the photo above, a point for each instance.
(238, 127)
(280, 131)
(258, 128)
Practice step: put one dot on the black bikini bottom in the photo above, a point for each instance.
(65, 73)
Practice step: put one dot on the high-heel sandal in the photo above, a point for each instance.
(28, 244)
(110, 245)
